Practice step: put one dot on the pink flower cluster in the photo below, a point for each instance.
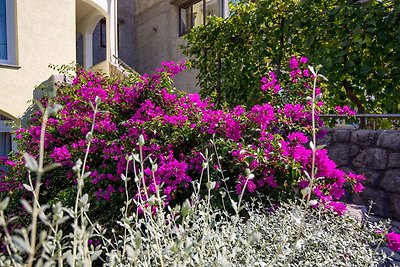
(270, 139)
(345, 110)
(393, 241)
(270, 83)
(61, 154)
(295, 71)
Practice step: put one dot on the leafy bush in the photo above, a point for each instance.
(196, 235)
(355, 41)
(210, 237)
(265, 148)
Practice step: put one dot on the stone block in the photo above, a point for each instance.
(389, 139)
(354, 151)
(358, 212)
(340, 154)
(341, 136)
(371, 177)
(394, 160)
(391, 181)
(363, 137)
(372, 158)
(324, 137)
(379, 198)
(394, 206)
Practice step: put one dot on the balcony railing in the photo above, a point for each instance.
(370, 121)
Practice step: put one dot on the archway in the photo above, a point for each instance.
(88, 15)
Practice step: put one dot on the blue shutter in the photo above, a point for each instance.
(3, 30)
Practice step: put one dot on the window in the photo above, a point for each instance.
(103, 32)
(7, 32)
(197, 12)
(6, 144)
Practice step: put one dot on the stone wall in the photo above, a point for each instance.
(375, 154)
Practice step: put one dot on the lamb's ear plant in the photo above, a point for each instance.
(308, 191)
(197, 234)
(50, 246)
(25, 241)
(82, 234)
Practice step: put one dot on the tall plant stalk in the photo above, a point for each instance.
(81, 176)
(39, 172)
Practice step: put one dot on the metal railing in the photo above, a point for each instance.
(125, 66)
(369, 120)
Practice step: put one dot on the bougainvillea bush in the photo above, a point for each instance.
(265, 147)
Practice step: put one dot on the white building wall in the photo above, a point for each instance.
(45, 34)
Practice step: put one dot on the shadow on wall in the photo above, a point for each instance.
(46, 87)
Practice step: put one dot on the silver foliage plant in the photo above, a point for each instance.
(192, 234)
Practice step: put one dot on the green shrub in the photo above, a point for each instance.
(355, 42)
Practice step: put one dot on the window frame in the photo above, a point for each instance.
(190, 5)
(6, 128)
(103, 32)
(10, 28)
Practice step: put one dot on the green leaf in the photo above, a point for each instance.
(31, 163)
(4, 203)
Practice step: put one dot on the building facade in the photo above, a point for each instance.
(33, 34)
(97, 34)
(159, 28)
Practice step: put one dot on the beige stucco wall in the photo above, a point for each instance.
(45, 33)
(157, 39)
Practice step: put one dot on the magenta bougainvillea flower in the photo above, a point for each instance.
(61, 154)
(393, 241)
(270, 140)
(345, 110)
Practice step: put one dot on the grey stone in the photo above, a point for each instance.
(374, 158)
(363, 137)
(341, 136)
(340, 154)
(325, 138)
(371, 177)
(360, 161)
(354, 151)
(394, 160)
(395, 226)
(391, 181)
(379, 198)
(394, 206)
(358, 212)
(389, 139)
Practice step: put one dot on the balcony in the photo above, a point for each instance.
(89, 13)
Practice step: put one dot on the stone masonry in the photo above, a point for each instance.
(375, 154)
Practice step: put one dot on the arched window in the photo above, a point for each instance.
(6, 144)
(7, 32)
